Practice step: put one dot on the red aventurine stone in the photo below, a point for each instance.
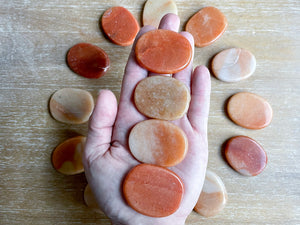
(152, 190)
(245, 155)
(206, 26)
(163, 51)
(67, 156)
(88, 60)
(120, 25)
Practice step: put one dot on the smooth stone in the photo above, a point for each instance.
(206, 26)
(234, 64)
(213, 197)
(71, 105)
(162, 97)
(88, 60)
(120, 25)
(67, 156)
(249, 110)
(158, 142)
(90, 200)
(152, 190)
(163, 51)
(155, 10)
(245, 155)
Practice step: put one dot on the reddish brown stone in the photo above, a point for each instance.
(163, 51)
(245, 155)
(120, 25)
(152, 190)
(88, 60)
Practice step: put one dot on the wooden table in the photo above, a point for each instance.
(34, 39)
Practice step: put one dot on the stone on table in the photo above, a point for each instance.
(90, 200)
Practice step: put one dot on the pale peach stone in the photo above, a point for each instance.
(154, 10)
(234, 64)
(71, 105)
(90, 200)
(213, 197)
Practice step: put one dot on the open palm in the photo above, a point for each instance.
(107, 158)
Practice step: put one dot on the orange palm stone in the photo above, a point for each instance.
(163, 51)
(120, 25)
(158, 142)
(153, 190)
(206, 26)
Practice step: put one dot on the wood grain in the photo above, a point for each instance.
(34, 39)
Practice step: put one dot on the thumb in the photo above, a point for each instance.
(100, 126)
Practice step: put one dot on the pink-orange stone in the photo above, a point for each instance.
(152, 190)
(245, 155)
(163, 51)
(120, 25)
(88, 60)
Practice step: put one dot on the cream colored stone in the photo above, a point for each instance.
(90, 200)
(213, 197)
(234, 64)
(154, 10)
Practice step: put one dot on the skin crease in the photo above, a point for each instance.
(107, 158)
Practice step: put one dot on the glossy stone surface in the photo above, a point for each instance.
(213, 197)
(152, 190)
(162, 97)
(120, 25)
(88, 60)
(163, 51)
(249, 110)
(158, 142)
(71, 105)
(90, 200)
(234, 64)
(206, 26)
(154, 11)
(67, 156)
(245, 155)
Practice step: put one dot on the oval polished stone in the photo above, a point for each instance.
(249, 110)
(120, 25)
(71, 105)
(234, 64)
(67, 156)
(88, 60)
(206, 26)
(163, 51)
(90, 200)
(213, 196)
(245, 156)
(162, 97)
(152, 190)
(154, 11)
(158, 142)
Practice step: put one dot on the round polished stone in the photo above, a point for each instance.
(158, 142)
(206, 26)
(162, 97)
(249, 110)
(213, 196)
(120, 25)
(154, 11)
(163, 51)
(245, 155)
(152, 190)
(234, 64)
(67, 156)
(88, 60)
(71, 105)
(90, 200)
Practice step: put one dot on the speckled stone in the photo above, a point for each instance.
(158, 142)
(162, 97)
(249, 110)
(245, 155)
(213, 197)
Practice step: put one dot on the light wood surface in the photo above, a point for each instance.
(34, 39)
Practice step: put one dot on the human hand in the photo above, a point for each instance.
(107, 158)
